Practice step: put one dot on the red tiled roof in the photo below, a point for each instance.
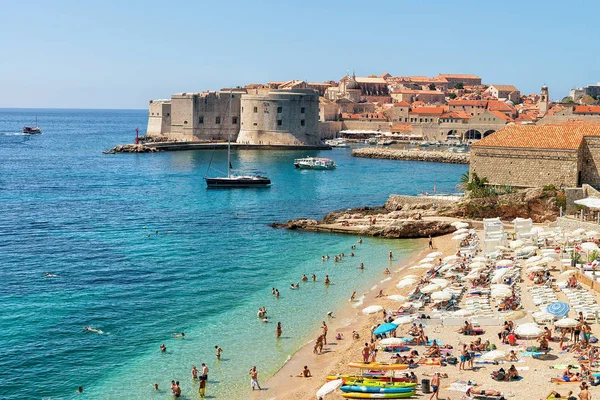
(402, 128)
(410, 91)
(500, 115)
(459, 76)
(565, 136)
(456, 115)
(402, 104)
(350, 116)
(428, 110)
(586, 110)
(468, 103)
(497, 105)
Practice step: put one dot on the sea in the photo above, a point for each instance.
(141, 250)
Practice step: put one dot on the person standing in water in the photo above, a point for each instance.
(325, 329)
(194, 372)
(279, 330)
(314, 278)
(391, 256)
(327, 281)
(219, 351)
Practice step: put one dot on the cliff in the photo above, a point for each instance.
(431, 156)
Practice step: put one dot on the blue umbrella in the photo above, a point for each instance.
(559, 309)
(385, 328)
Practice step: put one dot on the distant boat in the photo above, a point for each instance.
(384, 142)
(339, 142)
(32, 130)
(314, 163)
(233, 180)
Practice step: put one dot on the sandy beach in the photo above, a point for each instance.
(536, 373)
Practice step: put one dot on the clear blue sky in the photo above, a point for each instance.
(120, 54)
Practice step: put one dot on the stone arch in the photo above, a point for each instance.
(452, 132)
(472, 134)
(488, 132)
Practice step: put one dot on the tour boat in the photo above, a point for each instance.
(32, 130)
(314, 163)
(246, 180)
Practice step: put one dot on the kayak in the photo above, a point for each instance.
(378, 366)
(380, 384)
(361, 378)
(357, 395)
(377, 389)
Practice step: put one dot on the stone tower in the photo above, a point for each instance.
(544, 105)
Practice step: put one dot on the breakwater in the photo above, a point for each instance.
(431, 156)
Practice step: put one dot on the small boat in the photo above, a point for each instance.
(32, 130)
(378, 366)
(314, 163)
(359, 395)
(385, 142)
(337, 143)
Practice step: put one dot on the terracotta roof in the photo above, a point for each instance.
(361, 79)
(456, 115)
(497, 105)
(350, 116)
(402, 104)
(410, 91)
(459, 76)
(467, 103)
(586, 110)
(565, 136)
(500, 115)
(505, 88)
(428, 110)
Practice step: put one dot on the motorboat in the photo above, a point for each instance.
(32, 130)
(314, 163)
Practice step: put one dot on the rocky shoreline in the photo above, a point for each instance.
(393, 154)
(131, 148)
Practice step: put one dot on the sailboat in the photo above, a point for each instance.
(32, 130)
(234, 180)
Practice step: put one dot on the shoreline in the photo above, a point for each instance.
(347, 318)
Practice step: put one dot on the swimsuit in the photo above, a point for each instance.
(435, 388)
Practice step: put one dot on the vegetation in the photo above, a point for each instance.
(561, 200)
(575, 257)
(431, 86)
(452, 96)
(567, 100)
(593, 255)
(479, 187)
(459, 85)
(589, 100)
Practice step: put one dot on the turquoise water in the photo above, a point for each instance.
(91, 220)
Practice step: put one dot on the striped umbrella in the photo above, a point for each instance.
(558, 308)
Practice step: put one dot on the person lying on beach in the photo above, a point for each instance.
(49, 275)
(380, 294)
(179, 335)
(433, 350)
(305, 373)
(355, 335)
(471, 391)
(339, 336)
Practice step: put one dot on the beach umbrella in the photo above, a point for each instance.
(439, 281)
(529, 330)
(461, 231)
(435, 254)
(397, 297)
(515, 244)
(501, 293)
(499, 274)
(426, 265)
(461, 225)
(451, 258)
(558, 308)
(385, 328)
(456, 223)
(566, 323)
(533, 259)
(480, 258)
(515, 315)
(462, 313)
(547, 260)
(427, 260)
(504, 263)
(543, 316)
(391, 342)
(411, 276)
(494, 355)
(534, 269)
(501, 286)
(430, 288)
(372, 309)
(528, 249)
(405, 320)
(406, 283)
(459, 237)
(502, 248)
(329, 387)
(591, 233)
(589, 246)
(568, 273)
(477, 264)
(441, 296)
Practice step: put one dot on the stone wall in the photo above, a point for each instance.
(525, 167)
(159, 118)
(590, 161)
(401, 202)
(367, 125)
(329, 129)
(393, 154)
(572, 194)
(570, 224)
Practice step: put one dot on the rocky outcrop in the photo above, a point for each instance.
(431, 156)
(131, 148)
(294, 224)
(411, 229)
(539, 204)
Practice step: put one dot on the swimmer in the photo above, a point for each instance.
(292, 286)
(391, 257)
(353, 296)
(322, 258)
(181, 335)
(361, 266)
(277, 293)
(163, 348)
(351, 254)
(359, 240)
(327, 257)
(327, 281)
(194, 372)
(272, 290)
(279, 330)
(90, 329)
(80, 389)
(314, 277)
(297, 285)
(304, 278)
(49, 275)
(156, 386)
(387, 271)
(330, 314)
(219, 351)
(265, 319)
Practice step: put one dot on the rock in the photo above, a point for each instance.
(131, 148)
(431, 156)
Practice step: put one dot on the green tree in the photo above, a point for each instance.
(459, 85)
(452, 96)
(431, 86)
(567, 100)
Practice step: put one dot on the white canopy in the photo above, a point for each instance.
(529, 330)
(405, 320)
(397, 297)
(493, 355)
(372, 309)
(430, 288)
(391, 341)
(435, 254)
(589, 246)
(566, 323)
(441, 296)
(427, 260)
(590, 202)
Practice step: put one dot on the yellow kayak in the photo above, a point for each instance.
(375, 366)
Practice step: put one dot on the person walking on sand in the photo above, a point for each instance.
(435, 386)
(430, 242)
(353, 296)
(366, 352)
(279, 330)
(325, 329)
(254, 378)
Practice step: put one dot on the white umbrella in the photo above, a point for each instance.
(501, 293)
(441, 296)
(461, 225)
(533, 259)
(501, 286)
(589, 246)
(440, 282)
(459, 237)
(502, 248)
(407, 319)
(515, 244)
(591, 233)
(547, 260)
(430, 288)
(416, 304)
(505, 263)
(566, 323)
(477, 264)
(528, 249)
(435, 254)
(493, 355)
(391, 341)
(534, 269)
(406, 283)
(456, 223)
(568, 273)
(426, 265)
(372, 309)
(499, 274)
(397, 297)
(462, 313)
(460, 231)
(411, 276)
(578, 231)
(529, 330)
(480, 259)
(543, 316)
(451, 258)
(427, 260)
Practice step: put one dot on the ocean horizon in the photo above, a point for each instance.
(142, 250)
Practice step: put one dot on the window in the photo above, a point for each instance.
(255, 124)
(185, 122)
(201, 120)
(242, 109)
(302, 122)
(302, 110)
(279, 110)
(168, 114)
(255, 110)
(234, 120)
(152, 113)
(217, 120)
(279, 122)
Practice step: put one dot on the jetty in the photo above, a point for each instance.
(151, 147)
(393, 154)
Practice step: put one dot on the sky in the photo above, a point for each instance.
(120, 54)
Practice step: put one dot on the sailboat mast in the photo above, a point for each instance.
(229, 136)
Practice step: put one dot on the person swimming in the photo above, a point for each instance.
(361, 266)
(49, 275)
(304, 278)
(163, 348)
(179, 335)
(90, 329)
